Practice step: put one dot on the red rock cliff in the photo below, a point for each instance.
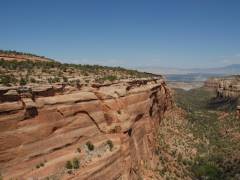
(39, 133)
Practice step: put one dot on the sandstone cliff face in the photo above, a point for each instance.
(228, 87)
(40, 130)
(212, 83)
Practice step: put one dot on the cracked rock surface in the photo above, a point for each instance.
(53, 128)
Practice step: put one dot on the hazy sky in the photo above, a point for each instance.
(169, 33)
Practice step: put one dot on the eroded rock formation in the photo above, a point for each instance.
(212, 83)
(228, 87)
(43, 128)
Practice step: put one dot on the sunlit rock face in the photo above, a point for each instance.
(212, 83)
(226, 87)
(41, 128)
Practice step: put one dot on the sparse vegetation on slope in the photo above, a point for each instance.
(68, 165)
(110, 144)
(23, 72)
(13, 52)
(90, 146)
(75, 163)
(219, 134)
(176, 149)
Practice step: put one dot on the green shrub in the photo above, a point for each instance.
(53, 80)
(78, 149)
(85, 74)
(23, 82)
(65, 79)
(205, 169)
(110, 144)
(186, 162)
(105, 78)
(119, 112)
(69, 171)
(90, 146)
(32, 80)
(6, 80)
(69, 165)
(56, 79)
(40, 165)
(75, 163)
(110, 78)
(179, 158)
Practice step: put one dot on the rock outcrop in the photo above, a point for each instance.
(228, 87)
(212, 83)
(41, 129)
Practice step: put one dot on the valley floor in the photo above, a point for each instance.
(202, 138)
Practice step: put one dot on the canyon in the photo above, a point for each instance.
(67, 121)
(43, 128)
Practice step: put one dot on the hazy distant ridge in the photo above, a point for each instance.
(227, 70)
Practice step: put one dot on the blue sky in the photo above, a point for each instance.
(130, 33)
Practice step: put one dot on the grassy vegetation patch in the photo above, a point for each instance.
(214, 123)
(22, 72)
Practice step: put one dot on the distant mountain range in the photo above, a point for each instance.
(227, 70)
(191, 77)
(194, 74)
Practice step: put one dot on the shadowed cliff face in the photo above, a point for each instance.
(39, 133)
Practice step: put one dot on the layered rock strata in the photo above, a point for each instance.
(41, 129)
(228, 87)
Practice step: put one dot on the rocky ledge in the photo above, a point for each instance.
(85, 132)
